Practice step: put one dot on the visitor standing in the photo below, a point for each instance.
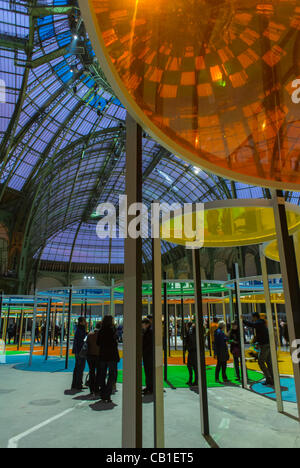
(80, 362)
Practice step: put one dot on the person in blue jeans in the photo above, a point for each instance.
(79, 338)
(108, 358)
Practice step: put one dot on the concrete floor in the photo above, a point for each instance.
(35, 413)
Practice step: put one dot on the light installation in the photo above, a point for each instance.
(216, 82)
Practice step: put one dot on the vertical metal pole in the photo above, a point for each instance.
(21, 330)
(200, 344)
(1, 306)
(182, 329)
(230, 302)
(7, 320)
(166, 330)
(33, 329)
(209, 328)
(159, 421)
(69, 327)
(290, 282)
(241, 326)
(112, 298)
(132, 421)
(26, 327)
(47, 328)
(271, 331)
(224, 310)
(62, 331)
(175, 325)
(277, 324)
(53, 327)
(169, 336)
(149, 305)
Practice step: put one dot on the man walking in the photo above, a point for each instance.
(263, 340)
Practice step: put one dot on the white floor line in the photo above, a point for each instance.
(14, 441)
(225, 423)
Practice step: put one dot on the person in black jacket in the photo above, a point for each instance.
(148, 355)
(80, 336)
(263, 340)
(107, 340)
(221, 351)
(191, 347)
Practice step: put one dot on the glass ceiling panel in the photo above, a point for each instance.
(59, 150)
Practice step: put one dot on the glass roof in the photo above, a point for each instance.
(62, 138)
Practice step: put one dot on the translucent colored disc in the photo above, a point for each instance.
(230, 227)
(271, 249)
(213, 81)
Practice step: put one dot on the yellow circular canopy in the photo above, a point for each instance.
(213, 80)
(227, 223)
(271, 249)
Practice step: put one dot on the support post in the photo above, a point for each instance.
(166, 328)
(290, 282)
(271, 331)
(1, 307)
(62, 331)
(21, 330)
(33, 329)
(200, 344)
(69, 327)
(224, 310)
(53, 327)
(277, 324)
(47, 328)
(241, 327)
(7, 321)
(175, 325)
(182, 329)
(159, 432)
(132, 420)
(112, 298)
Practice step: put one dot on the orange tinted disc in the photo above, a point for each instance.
(213, 80)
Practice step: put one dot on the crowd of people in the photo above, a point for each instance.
(222, 342)
(99, 349)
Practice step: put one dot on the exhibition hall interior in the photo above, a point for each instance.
(149, 224)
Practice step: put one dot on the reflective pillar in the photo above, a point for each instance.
(241, 327)
(271, 331)
(290, 282)
(159, 432)
(200, 345)
(132, 348)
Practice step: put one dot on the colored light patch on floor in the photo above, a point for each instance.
(288, 390)
(285, 364)
(177, 375)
